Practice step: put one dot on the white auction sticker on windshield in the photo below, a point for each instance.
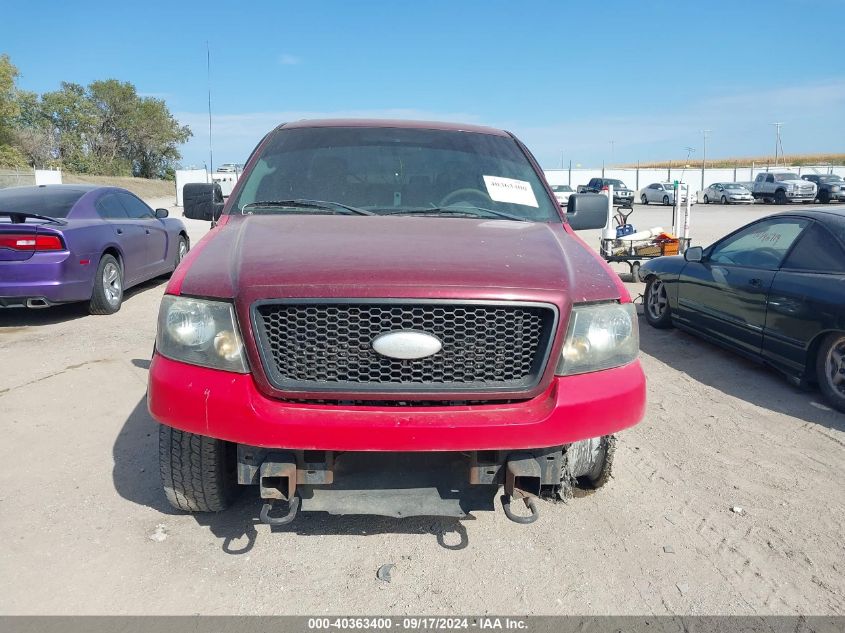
(510, 190)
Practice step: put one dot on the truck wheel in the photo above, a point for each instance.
(824, 196)
(644, 199)
(666, 200)
(107, 294)
(830, 369)
(780, 196)
(197, 472)
(588, 464)
(658, 314)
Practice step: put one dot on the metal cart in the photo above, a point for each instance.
(632, 252)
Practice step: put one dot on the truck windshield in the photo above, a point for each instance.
(787, 176)
(394, 170)
(617, 184)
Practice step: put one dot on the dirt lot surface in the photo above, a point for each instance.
(86, 529)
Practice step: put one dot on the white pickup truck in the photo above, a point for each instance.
(783, 187)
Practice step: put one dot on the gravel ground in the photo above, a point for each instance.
(86, 529)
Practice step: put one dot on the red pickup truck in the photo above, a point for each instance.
(391, 318)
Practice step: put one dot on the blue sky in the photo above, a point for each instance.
(610, 81)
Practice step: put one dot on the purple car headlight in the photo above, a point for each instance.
(200, 332)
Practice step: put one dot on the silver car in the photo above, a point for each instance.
(562, 193)
(662, 193)
(728, 193)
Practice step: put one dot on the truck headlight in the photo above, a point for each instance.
(200, 332)
(599, 337)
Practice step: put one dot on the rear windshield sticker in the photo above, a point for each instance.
(510, 190)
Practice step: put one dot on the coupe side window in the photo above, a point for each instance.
(109, 208)
(761, 245)
(817, 251)
(136, 209)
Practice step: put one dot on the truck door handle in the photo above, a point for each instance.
(147, 231)
(119, 231)
(756, 283)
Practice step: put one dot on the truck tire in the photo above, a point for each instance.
(780, 197)
(588, 464)
(824, 196)
(830, 369)
(107, 293)
(197, 472)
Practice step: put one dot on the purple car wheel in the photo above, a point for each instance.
(107, 294)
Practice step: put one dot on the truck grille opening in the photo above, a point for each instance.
(320, 347)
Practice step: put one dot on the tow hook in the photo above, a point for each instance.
(522, 481)
(277, 484)
(267, 508)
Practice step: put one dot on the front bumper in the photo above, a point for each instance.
(228, 406)
(52, 277)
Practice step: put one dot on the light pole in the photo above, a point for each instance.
(778, 144)
(704, 134)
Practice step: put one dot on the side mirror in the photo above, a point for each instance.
(586, 211)
(202, 201)
(694, 254)
(162, 213)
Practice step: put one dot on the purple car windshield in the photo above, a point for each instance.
(55, 203)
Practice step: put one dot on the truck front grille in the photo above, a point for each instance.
(320, 346)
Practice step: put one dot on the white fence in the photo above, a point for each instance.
(637, 179)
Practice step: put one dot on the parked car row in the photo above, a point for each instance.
(769, 187)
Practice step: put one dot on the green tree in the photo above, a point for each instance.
(10, 156)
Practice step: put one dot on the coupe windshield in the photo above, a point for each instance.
(561, 188)
(732, 185)
(394, 171)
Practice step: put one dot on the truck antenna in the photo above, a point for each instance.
(208, 71)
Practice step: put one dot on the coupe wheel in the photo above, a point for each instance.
(666, 200)
(724, 200)
(830, 369)
(706, 199)
(658, 314)
(107, 295)
(644, 199)
(182, 250)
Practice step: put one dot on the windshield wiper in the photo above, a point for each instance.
(472, 212)
(301, 203)
(19, 217)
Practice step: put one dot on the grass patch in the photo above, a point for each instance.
(791, 160)
(141, 187)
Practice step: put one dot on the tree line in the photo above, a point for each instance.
(104, 128)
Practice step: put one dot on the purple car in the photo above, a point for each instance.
(62, 243)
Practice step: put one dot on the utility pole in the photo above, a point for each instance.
(778, 144)
(704, 134)
(611, 152)
(561, 159)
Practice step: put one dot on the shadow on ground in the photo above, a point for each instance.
(737, 376)
(25, 317)
(136, 478)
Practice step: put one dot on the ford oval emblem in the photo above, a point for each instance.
(406, 344)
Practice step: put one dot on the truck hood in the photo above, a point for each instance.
(254, 257)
